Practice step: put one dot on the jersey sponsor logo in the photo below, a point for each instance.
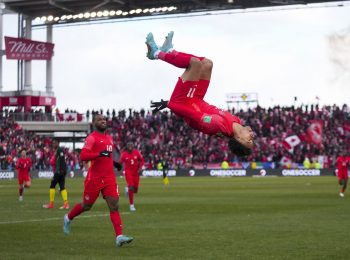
(45, 174)
(301, 172)
(207, 119)
(227, 173)
(7, 175)
(157, 173)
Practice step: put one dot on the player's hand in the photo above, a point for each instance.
(105, 153)
(157, 106)
(117, 165)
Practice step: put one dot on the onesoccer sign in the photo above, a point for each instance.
(24, 49)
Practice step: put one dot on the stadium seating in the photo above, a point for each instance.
(165, 133)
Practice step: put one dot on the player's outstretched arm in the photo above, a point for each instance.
(157, 106)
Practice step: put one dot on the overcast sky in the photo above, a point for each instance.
(277, 54)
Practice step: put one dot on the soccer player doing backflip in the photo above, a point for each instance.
(187, 101)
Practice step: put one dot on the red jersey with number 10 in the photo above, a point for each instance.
(100, 167)
(133, 161)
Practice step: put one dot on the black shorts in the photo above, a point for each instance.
(60, 179)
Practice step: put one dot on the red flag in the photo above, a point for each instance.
(290, 142)
(286, 162)
(314, 132)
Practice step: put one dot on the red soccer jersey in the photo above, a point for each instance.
(100, 167)
(342, 163)
(23, 165)
(133, 161)
(213, 124)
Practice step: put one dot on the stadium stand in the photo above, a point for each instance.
(165, 133)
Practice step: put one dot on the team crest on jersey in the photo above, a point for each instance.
(87, 197)
(207, 119)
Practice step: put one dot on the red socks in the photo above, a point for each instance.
(117, 222)
(178, 59)
(114, 215)
(131, 197)
(21, 190)
(76, 211)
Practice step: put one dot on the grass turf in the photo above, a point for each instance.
(194, 218)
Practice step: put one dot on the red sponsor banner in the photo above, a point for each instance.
(24, 49)
(34, 101)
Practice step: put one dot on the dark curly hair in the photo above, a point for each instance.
(238, 149)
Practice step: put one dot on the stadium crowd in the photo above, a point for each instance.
(13, 139)
(163, 133)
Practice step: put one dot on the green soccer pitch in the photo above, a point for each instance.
(193, 218)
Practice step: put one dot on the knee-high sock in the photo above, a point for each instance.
(117, 222)
(76, 211)
(21, 190)
(131, 196)
(52, 195)
(64, 195)
(178, 59)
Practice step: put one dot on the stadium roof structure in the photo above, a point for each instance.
(70, 11)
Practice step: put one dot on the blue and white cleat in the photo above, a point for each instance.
(168, 43)
(122, 240)
(152, 47)
(66, 225)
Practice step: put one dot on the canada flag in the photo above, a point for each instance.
(286, 162)
(290, 142)
(314, 132)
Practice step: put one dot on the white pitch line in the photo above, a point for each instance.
(53, 219)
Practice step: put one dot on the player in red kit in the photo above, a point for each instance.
(98, 150)
(23, 166)
(133, 161)
(342, 164)
(187, 98)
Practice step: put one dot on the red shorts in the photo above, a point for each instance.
(342, 175)
(187, 100)
(23, 178)
(132, 179)
(92, 188)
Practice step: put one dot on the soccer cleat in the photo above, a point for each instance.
(66, 225)
(341, 195)
(121, 240)
(48, 206)
(20, 198)
(65, 206)
(168, 43)
(132, 208)
(152, 47)
(126, 189)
